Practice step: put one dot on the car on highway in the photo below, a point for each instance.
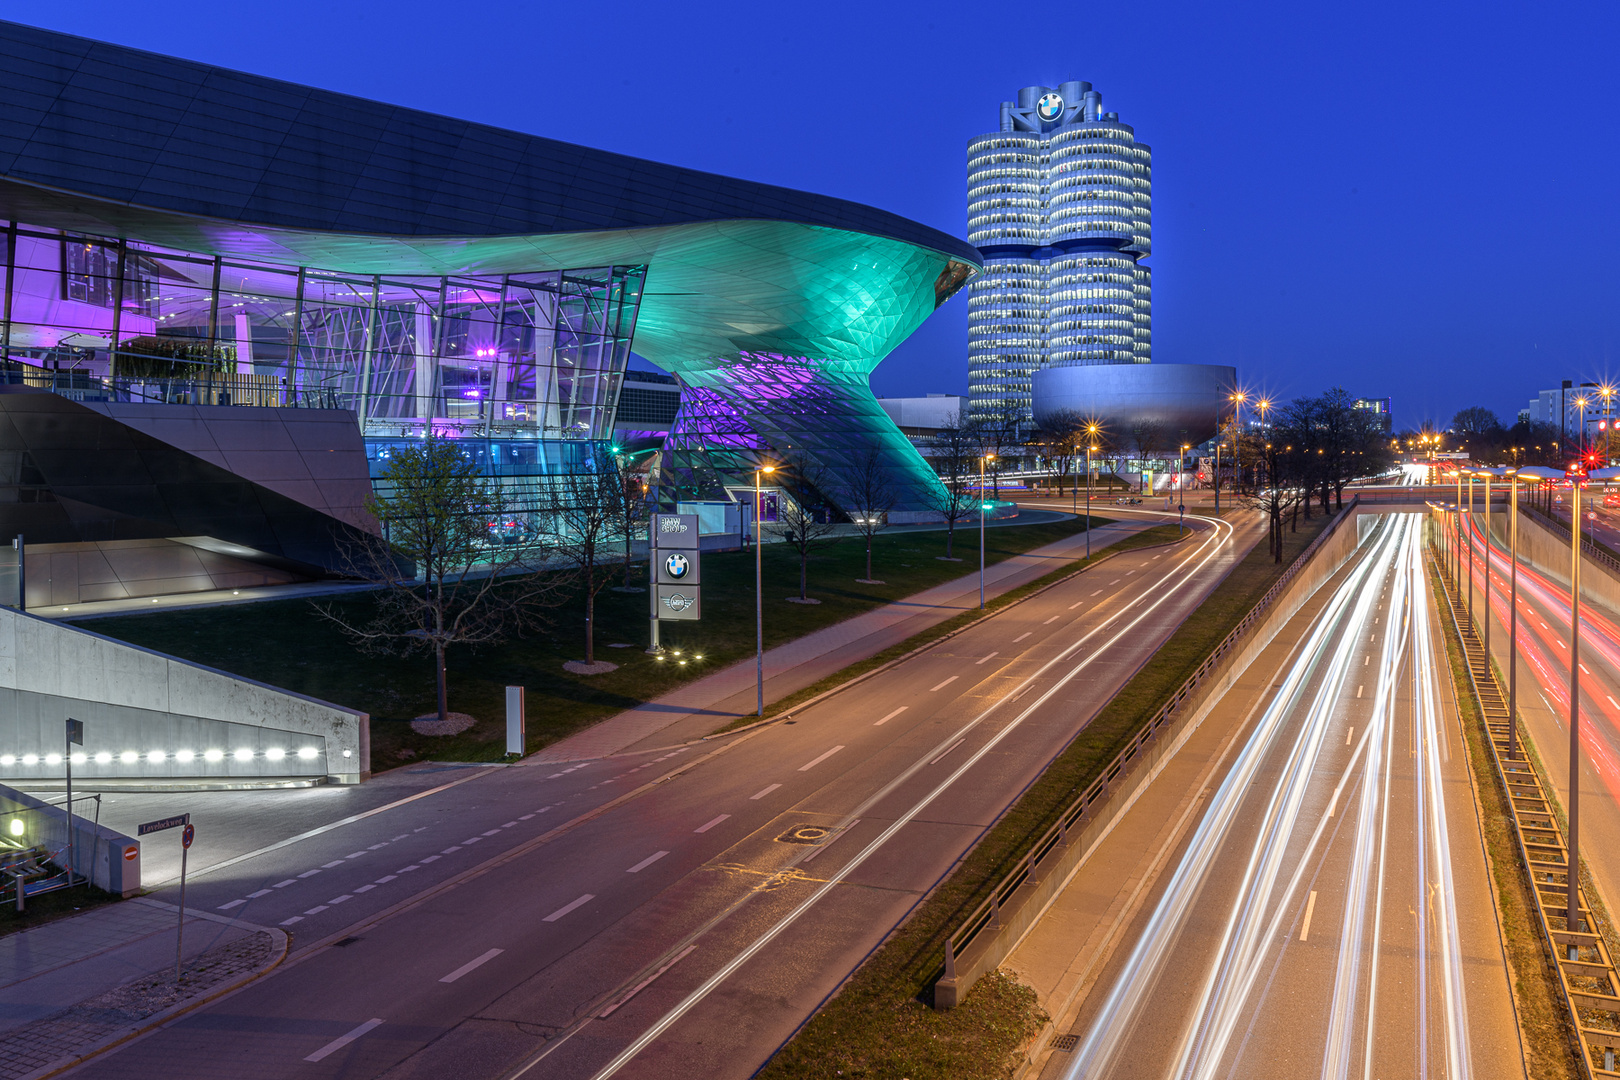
(1127, 501)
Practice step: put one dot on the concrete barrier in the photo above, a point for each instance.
(111, 860)
(151, 719)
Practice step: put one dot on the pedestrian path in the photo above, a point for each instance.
(76, 984)
(710, 703)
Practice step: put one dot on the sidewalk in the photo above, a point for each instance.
(73, 987)
(701, 707)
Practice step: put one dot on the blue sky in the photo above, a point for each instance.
(1412, 200)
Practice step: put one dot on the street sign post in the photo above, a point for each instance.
(675, 569)
(75, 737)
(188, 832)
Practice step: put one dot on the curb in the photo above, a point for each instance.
(159, 1019)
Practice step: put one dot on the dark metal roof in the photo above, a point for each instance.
(153, 131)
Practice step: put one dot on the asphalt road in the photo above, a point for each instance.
(671, 914)
(1330, 914)
(1543, 694)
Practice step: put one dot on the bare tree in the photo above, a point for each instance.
(951, 452)
(585, 508)
(997, 431)
(631, 510)
(871, 497)
(1148, 437)
(803, 521)
(477, 560)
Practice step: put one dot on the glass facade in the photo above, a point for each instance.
(1060, 203)
(500, 360)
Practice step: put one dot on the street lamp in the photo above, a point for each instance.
(1089, 451)
(1513, 615)
(1181, 490)
(759, 594)
(1572, 916)
(982, 460)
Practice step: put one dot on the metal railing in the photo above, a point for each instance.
(987, 916)
(1586, 973)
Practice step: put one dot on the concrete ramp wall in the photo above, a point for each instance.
(111, 860)
(155, 720)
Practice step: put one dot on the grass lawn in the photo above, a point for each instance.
(288, 644)
(48, 907)
(880, 1025)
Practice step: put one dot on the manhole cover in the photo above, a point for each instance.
(1065, 1043)
(805, 834)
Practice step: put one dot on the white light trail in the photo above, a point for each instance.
(1287, 847)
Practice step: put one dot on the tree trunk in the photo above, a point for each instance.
(804, 571)
(950, 536)
(590, 612)
(444, 694)
(868, 556)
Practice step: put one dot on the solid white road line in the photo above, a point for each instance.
(1193, 563)
(1022, 636)
(344, 1040)
(829, 841)
(711, 823)
(566, 908)
(945, 751)
(948, 681)
(896, 713)
(476, 962)
(649, 860)
(982, 659)
(1310, 907)
(644, 983)
(813, 762)
(760, 794)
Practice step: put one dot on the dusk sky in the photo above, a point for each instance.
(1410, 200)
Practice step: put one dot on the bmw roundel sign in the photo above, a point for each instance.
(677, 565)
(1050, 107)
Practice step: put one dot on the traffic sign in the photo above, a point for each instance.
(163, 823)
(75, 731)
(188, 834)
(131, 853)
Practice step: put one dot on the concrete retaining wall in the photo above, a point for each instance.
(111, 860)
(154, 718)
(1548, 552)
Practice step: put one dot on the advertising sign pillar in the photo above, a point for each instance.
(676, 571)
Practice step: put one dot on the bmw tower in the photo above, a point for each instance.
(1059, 203)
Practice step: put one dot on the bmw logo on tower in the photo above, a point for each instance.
(1050, 107)
(677, 566)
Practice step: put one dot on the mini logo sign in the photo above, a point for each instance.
(677, 565)
(670, 523)
(1050, 107)
(679, 601)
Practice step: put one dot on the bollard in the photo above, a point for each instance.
(516, 720)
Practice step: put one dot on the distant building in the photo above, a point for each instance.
(1378, 407)
(920, 417)
(648, 403)
(1060, 205)
(1560, 407)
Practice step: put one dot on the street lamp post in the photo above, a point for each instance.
(759, 595)
(1468, 541)
(1487, 540)
(1572, 915)
(1513, 618)
(982, 460)
(1181, 490)
(1090, 449)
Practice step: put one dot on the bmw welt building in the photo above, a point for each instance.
(227, 297)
